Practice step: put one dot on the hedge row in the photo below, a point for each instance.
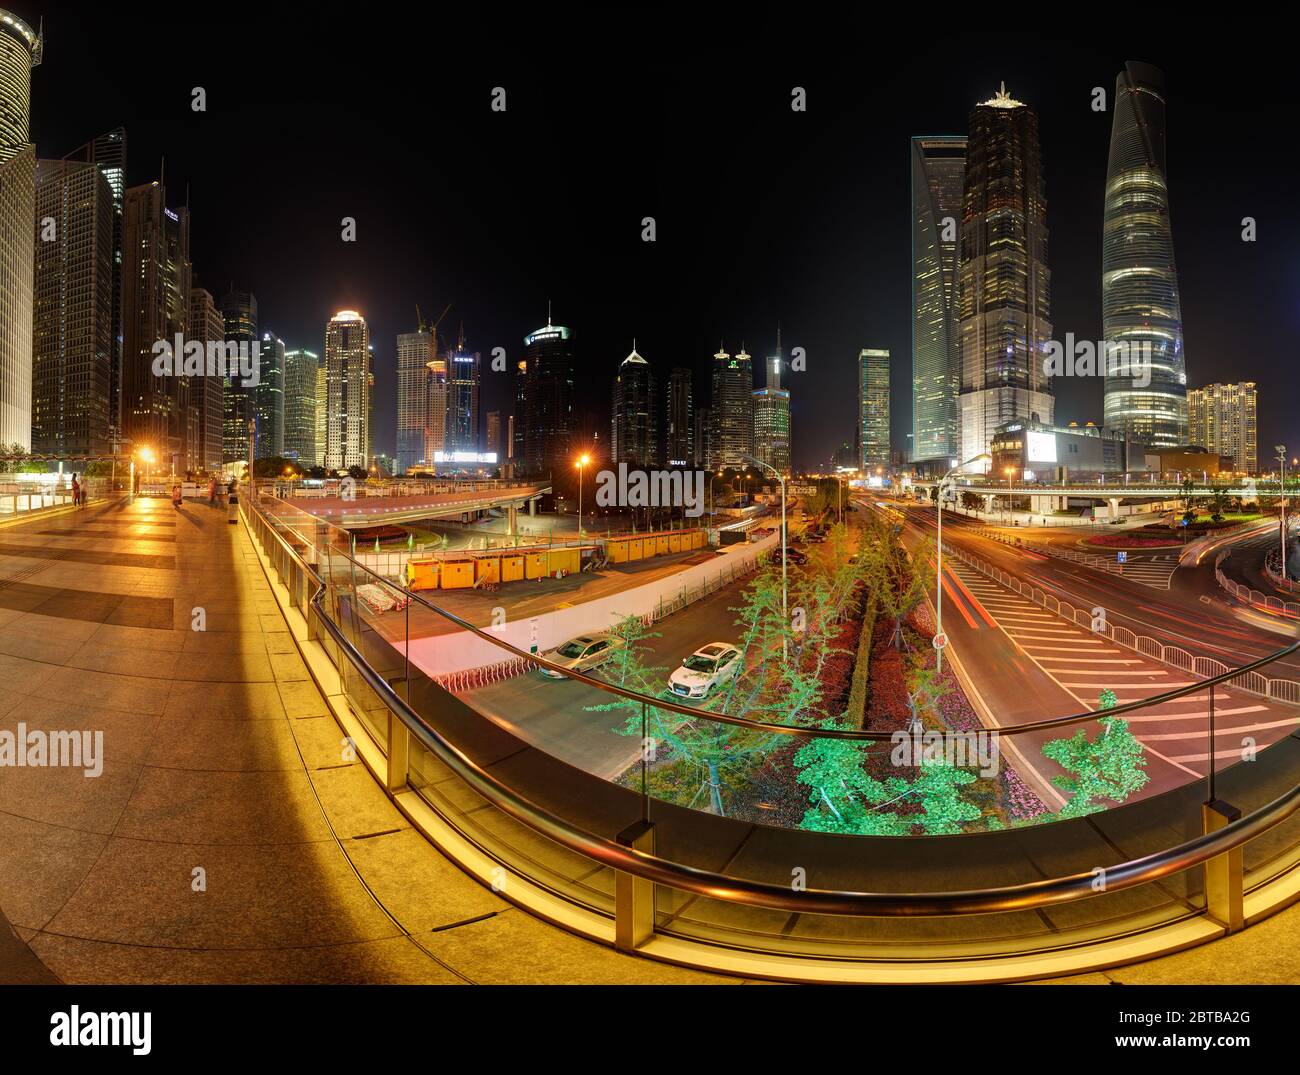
(855, 712)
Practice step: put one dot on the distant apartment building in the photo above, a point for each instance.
(1221, 419)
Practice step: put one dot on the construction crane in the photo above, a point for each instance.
(419, 318)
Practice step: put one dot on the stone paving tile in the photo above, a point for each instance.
(396, 961)
(269, 896)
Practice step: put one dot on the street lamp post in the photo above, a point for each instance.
(938, 553)
(784, 539)
(1281, 459)
(582, 462)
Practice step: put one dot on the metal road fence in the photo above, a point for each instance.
(1101, 563)
(1277, 690)
(1256, 598)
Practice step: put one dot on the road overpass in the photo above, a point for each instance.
(369, 507)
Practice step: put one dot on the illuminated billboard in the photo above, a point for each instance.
(1040, 447)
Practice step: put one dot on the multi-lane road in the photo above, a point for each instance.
(1027, 663)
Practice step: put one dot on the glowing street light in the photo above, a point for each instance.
(583, 460)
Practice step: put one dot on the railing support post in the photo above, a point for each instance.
(1224, 874)
(634, 897)
(399, 753)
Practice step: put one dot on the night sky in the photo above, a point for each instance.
(764, 215)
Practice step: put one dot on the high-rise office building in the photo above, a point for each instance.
(679, 427)
(1003, 289)
(873, 408)
(416, 352)
(519, 419)
(938, 178)
(464, 374)
(771, 409)
(156, 274)
(493, 436)
(732, 409)
(267, 398)
(108, 154)
(20, 51)
(370, 411)
(634, 428)
(548, 399)
(347, 387)
(239, 308)
(705, 456)
(207, 413)
(322, 412)
(1221, 419)
(72, 331)
(300, 406)
(1139, 283)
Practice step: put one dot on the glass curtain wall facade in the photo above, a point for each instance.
(938, 176)
(1003, 288)
(1139, 283)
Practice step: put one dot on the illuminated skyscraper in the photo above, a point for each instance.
(416, 352)
(732, 410)
(347, 388)
(156, 273)
(267, 398)
(548, 400)
(72, 332)
(20, 51)
(679, 429)
(633, 424)
(206, 394)
(771, 410)
(463, 377)
(1221, 419)
(938, 175)
(300, 406)
(1139, 283)
(873, 408)
(1003, 288)
(108, 154)
(239, 308)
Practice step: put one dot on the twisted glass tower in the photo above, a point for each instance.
(1139, 285)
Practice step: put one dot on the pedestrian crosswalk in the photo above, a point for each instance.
(1154, 570)
(1084, 664)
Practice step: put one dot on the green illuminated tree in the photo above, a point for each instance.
(843, 793)
(1111, 766)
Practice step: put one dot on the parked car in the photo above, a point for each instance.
(796, 557)
(582, 654)
(706, 668)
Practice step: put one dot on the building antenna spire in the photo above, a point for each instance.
(548, 313)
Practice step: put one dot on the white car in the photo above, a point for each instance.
(582, 654)
(706, 668)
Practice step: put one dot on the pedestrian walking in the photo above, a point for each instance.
(176, 497)
(212, 492)
(76, 492)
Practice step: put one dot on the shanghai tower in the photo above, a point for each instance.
(1139, 285)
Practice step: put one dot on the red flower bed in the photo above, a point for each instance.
(1131, 541)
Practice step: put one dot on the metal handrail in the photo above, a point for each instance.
(713, 885)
